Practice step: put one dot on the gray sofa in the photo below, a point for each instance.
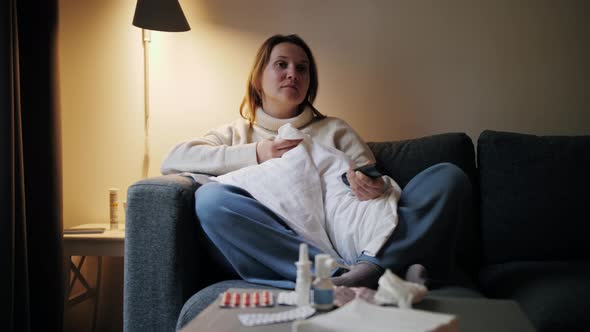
(526, 240)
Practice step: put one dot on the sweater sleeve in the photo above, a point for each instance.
(218, 152)
(348, 141)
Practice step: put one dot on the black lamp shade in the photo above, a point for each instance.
(160, 15)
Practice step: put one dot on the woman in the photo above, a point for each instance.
(255, 242)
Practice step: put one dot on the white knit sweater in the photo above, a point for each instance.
(233, 146)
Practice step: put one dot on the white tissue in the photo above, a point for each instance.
(396, 291)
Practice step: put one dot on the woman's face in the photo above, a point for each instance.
(285, 80)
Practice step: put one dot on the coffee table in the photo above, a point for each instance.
(473, 314)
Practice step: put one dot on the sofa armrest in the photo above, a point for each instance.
(161, 252)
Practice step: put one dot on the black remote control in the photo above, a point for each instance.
(369, 170)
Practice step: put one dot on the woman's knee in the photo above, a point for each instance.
(452, 179)
(209, 200)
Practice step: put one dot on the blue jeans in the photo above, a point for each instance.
(262, 249)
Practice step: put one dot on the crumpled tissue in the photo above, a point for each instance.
(395, 291)
(392, 291)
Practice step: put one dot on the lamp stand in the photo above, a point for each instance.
(147, 38)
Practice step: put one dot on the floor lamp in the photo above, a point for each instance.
(158, 15)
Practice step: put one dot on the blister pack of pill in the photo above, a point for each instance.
(276, 317)
(246, 299)
(287, 298)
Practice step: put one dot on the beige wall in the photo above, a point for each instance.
(393, 69)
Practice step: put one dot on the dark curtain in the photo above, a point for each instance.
(31, 263)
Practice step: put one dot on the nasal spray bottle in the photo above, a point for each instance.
(303, 282)
(323, 288)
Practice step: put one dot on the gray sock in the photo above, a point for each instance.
(417, 273)
(362, 274)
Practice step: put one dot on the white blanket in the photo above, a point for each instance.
(304, 187)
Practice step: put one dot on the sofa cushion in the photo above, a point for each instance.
(552, 294)
(534, 193)
(402, 160)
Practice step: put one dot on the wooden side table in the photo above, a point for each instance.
(108, 243)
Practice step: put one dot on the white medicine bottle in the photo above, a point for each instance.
(303, 281)
(323, 288)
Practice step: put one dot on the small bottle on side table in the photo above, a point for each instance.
(114, 207)
(323, 287)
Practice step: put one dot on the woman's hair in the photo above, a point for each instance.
(253, 99)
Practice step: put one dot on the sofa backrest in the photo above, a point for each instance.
(402, 160)
(535, 197)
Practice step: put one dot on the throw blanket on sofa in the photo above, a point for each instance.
(304, 187)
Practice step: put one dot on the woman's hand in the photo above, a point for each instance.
(274, 148)
(363, 187)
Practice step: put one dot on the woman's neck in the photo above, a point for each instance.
(280, 110)
(266, 120)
